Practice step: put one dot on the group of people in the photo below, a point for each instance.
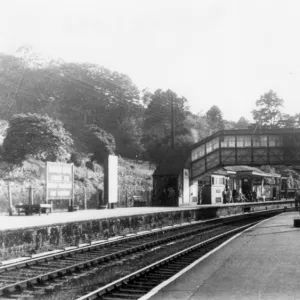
(168, 196)
(227, 196)
(235, 196)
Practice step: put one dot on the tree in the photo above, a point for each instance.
(38, 136)
(157, 117)
(99, 142)
(128, 139)
(195, 126)
(288, 121)
(242, 123)
(157, 122)
(268, 113)
(77, 94)
(228, 124)
(214, 119)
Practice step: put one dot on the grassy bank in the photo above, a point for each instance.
(134, 178)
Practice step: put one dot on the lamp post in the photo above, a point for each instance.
(10, 209)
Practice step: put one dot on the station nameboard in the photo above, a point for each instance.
(59, 181)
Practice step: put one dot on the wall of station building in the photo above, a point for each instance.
(245, 148)
(243, 141)
(209, 190)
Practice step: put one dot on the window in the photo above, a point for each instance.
(229, 142)
(209, 147)
(243, 141)
(215, 143)
(198, 152)
(260, 141)
(275, 141)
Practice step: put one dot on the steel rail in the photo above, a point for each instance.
(19, 285)
(77, 264)
(95, 244)
(97, 294)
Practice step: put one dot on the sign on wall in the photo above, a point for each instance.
(59, 181)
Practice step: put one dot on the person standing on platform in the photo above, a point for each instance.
(163, 197)
(228, 196)
(254, 196)
(224, 196)
(171, 196)
(234, 195)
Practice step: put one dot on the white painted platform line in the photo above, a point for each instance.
(70, 248)
(83, 245)
(114, 238)
(46, 253)
(165, 283)
(98, 242)
(14, 260)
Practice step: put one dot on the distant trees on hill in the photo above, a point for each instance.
(214, 119)
(269, 114)
(109, 108)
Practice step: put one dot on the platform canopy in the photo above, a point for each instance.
(250, 171)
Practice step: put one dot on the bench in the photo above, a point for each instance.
(30, 209)
(73, 208)
(138, 201)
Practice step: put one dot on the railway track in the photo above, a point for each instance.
(16, 279)
(141, 282)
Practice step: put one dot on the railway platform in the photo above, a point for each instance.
(260, 263)
(27, 235)
(22, 221)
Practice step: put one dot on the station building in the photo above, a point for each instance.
(244, 183)
(227, 160)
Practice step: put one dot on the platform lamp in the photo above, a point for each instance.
(30, 194)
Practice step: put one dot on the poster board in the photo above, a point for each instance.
(59, 181)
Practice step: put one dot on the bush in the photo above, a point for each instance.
(38, 136)
(76, 159)
(99, 142)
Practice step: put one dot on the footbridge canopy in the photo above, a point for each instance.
(245, 147)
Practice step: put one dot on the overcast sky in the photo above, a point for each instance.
(224, 52)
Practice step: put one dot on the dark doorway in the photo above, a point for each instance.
(246, 188)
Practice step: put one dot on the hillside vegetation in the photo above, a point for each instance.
(51, 110)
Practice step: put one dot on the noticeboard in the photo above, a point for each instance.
(59, 181)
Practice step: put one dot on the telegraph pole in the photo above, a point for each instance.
(172, 124)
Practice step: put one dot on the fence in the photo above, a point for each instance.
(85, 198)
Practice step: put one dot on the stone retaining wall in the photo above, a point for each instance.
(27, 241)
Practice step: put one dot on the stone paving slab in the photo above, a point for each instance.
(22, 221)
(262, 263)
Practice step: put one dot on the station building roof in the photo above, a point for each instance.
(249, 171)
